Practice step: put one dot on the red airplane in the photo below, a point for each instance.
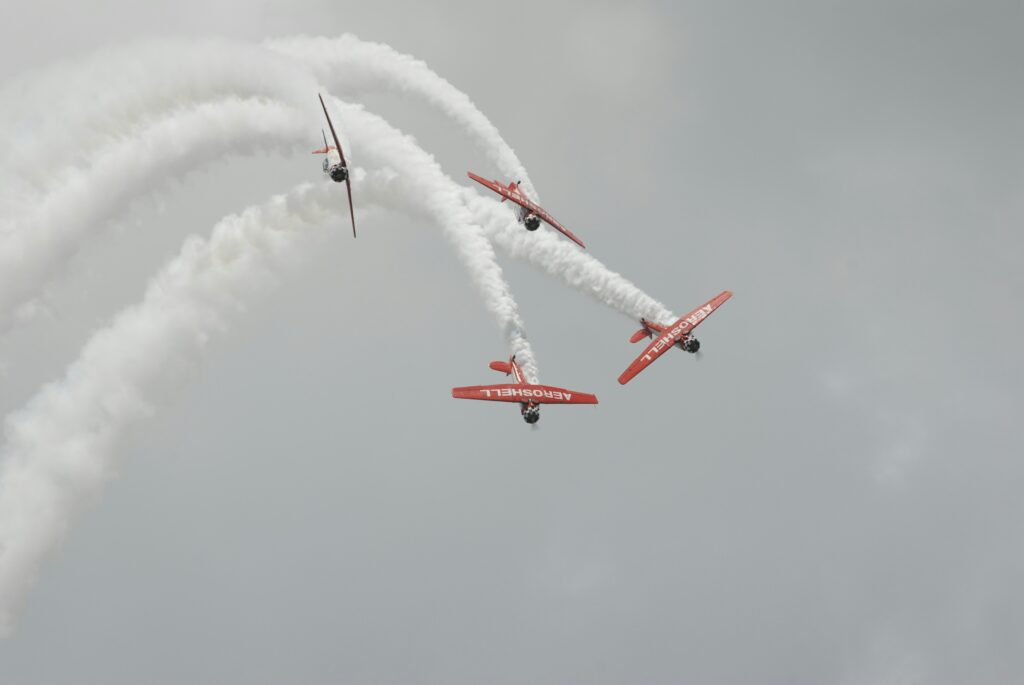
(530, 213)
(529, 396)
(677, 334)
(334, 164)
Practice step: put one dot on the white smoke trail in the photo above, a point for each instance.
(372, 139)
(565, 261)
(61, 115)
(135, 161)
(349, 65)
(29, 255)
(60, 446)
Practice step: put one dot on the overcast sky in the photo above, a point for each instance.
(830, 495)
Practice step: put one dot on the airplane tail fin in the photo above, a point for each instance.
(326, 148)
(513, 186)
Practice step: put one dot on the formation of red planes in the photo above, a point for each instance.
(530, 396)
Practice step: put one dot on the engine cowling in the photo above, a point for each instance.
(338, 173)
(531, 414)
(691, 345)
(532, 222)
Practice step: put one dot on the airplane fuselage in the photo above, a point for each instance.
(529, 410)
(334, 168)
(687, 343)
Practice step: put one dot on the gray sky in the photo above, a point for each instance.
(831, 495)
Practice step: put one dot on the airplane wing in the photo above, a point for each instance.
(673, 334)
(550, 220)
(513, 392)
(351, 209)
(341, 154)
(527, 204)
(494, 185)
(334, 135)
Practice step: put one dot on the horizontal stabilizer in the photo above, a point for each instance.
(640, 335)
(537, 394)
(503, 367)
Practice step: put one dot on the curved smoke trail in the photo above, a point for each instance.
(61, 444)
(350, 63)
(441, 197)
(136, 161)
(173, 145)
(60, 116)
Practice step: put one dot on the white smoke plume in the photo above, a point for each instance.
(60, 116)
(441, 198)
(349, 65)
(346, 62)
(137, 160)
(37, 247)
(565, 261)
(60, 447)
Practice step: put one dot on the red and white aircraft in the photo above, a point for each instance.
(529, 396)
(334, 162)
(678, 334)
(530, 213)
